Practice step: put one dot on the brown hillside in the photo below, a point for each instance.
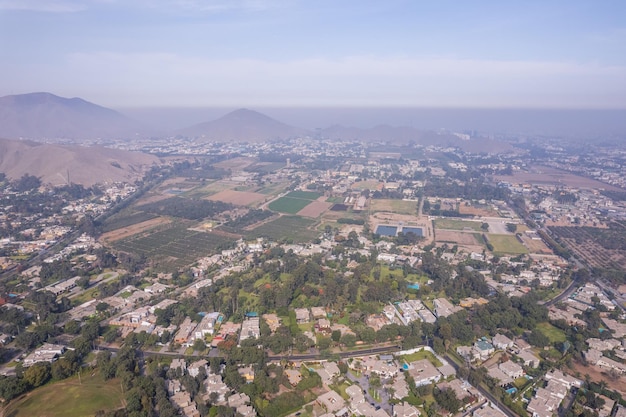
(86, 165)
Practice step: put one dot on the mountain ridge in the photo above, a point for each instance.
(45, 115)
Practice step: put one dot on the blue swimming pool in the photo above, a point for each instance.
(385, 230)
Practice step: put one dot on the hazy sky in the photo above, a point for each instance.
(255, 53)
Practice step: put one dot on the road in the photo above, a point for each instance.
(484, 392)
(303, 357)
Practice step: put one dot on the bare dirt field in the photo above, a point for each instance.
(235, 164)
(240, 198)
(458, 238)
(125, 232)
(477, 211)
(547, 175)
(315, 209)
(596, 374)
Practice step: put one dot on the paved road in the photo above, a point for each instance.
(364, 382)
(484, 392)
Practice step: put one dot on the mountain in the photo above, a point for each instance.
(84, 165)
(242, 125)
(46, 116)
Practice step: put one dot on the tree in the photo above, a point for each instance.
(199, 345)
(335, 336)
(484, 227)
(511, 227)
(38, 374)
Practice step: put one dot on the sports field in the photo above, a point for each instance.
(69, 398)
(506, 244)
(395, 206)
(457, 224)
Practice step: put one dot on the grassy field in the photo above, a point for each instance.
(175, 246)
(367, 185)
(395, 206)
(422, 354)
(289, 205)
(69, 398)
(305, 195)
(506, 244)
(286, 227)
(551, 332)
(456, 224)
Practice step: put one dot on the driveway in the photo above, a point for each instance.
(364, 383)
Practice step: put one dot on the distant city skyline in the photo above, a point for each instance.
(282, 53)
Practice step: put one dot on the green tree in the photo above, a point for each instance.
(38, 374)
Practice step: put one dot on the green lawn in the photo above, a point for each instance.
(422, 354)
(69, 398)
(289, 205)
(551, 332)
(456, 224)
(506, 244)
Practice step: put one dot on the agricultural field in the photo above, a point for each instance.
(395, 206)
(603, 248)
(286, 227)
(456, 224)
(209, 189)
(305, 195)
(69, 398)
(315, 209)
(176, 246)
(265, 167)
(131, 230)
(125, 219)
(506, 244)
(288, 205)
(239, 198)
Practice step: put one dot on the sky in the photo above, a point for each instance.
(323, 53)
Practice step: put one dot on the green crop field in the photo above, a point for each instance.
(125, 219)
(506, 244)
(288, 205)
(455, 224)
(175, 246)
(69, 398)
(305, 195)
(286, 227)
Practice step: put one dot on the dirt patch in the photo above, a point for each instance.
(597, 374)
(315, 209)
(456, 237)
(127, 231)
(240, 198)
(477, 211)
(553, 176)
(236, 164)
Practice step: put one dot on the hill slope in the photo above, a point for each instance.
(85, 165)
(44, 115)
(242, 125)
